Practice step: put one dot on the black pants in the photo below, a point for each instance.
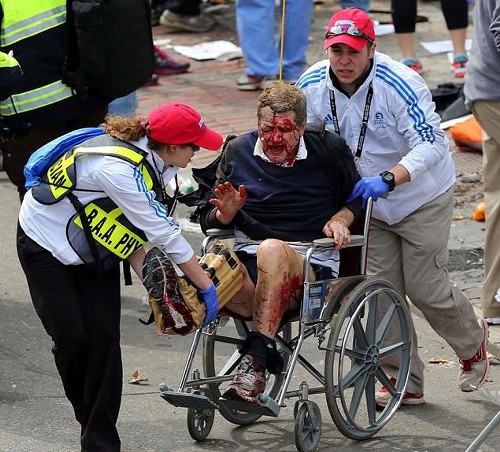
(404, 14)
(80, 310)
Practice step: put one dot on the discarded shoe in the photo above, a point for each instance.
(248, 383)
(195, 24)
(459, 65)
(474, 371)
(415, 64)
(383, 397)
(253, 82)
(492, 320)
(166, 65)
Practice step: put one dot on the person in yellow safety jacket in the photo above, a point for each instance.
(119, 181)
(43, 107)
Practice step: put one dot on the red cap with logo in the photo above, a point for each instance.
(176, 123)
(350, 26)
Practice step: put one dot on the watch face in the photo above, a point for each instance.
(388, 178)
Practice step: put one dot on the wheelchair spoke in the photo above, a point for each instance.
(359, 389)
(359, 334)
(350, 379)
(354, 354)
(384, 325)
(371, 321)
(391, 349)
(385, 381)
(370, 399)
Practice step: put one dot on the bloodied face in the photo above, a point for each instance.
(280, 135)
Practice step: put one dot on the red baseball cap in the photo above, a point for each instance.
(351, 26)
(176, 123)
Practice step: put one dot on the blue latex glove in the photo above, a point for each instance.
(369, 186)
(211, 304)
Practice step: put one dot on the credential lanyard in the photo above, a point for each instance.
(364, 124)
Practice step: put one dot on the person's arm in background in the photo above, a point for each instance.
(495, 26)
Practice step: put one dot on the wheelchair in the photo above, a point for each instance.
(349, 317)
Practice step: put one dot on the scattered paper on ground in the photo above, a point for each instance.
(440, 361)
(442, 46)
(137, 378)
(214, 50)
(383, 29)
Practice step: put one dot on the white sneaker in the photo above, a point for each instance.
(474, 371)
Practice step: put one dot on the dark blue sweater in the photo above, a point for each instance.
(289, 203)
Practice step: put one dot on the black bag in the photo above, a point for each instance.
(110, 46)
(445, 94)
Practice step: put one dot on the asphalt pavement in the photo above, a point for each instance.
(35, 415)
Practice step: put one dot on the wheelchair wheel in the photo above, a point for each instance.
(200, 422)
(358, 342)
(307, 426)
(221, 358)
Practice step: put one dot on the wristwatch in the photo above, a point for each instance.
(389, 179)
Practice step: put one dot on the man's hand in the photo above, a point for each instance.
(211, 304)
(338, 231)
(367, 187)
(228, 201)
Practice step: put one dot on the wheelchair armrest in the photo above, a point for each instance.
(219, 233)
(327, 242)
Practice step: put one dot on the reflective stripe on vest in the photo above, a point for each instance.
(36, 98)
(61, 178)
(107, 231)
(25, 18)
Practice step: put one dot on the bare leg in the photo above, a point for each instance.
(407, 45)
(279, 285)
(458, 37)
(241, 303)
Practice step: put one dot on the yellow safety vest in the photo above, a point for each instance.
(23, 19)
(111, 231)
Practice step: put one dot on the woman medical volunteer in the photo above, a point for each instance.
(97, 204)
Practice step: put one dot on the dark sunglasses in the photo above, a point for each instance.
(194, 147)
(337, 30)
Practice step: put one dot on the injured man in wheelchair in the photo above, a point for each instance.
(279, 187)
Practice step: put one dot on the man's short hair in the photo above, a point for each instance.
(282, 97)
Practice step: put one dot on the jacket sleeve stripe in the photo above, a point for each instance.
(408, 95)
(312, 78)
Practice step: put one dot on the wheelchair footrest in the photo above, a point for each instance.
(187, 400)
(265, 407)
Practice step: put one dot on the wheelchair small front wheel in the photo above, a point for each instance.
(307, 426)
(200, 422)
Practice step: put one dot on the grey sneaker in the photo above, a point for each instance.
(196, 24)
(474, 371)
